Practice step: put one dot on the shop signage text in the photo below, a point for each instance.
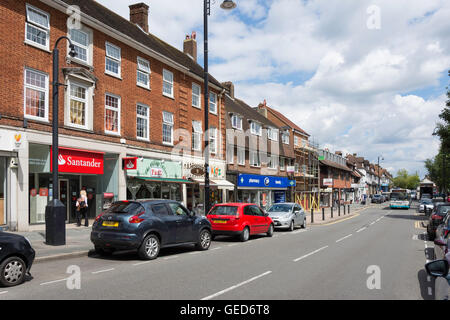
(79, 161)
(248, 180)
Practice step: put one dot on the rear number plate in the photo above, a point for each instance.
(220, 221)
(110, 224)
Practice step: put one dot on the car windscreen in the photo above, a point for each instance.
(224, 211)
(426, 201)
(123, 207)
(443, 210)
(280, 208)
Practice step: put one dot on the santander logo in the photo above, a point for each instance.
(61, 160)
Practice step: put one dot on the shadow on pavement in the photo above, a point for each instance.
(132, 255)
(426, 287)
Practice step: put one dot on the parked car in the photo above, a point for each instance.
(287, 216)
(240, 219)
(148, 226)
(437, 217)
(426, 203)
(16, 259)
(442, 238)
(377, 198)
(440, 270)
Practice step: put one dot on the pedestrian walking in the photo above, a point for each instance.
(82, 209)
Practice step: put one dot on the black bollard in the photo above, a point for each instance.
(331, 212)
(312, 215)
(348, 209)
(339, 210)
(344, 209)
(323, 214)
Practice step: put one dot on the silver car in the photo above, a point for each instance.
(287, 216)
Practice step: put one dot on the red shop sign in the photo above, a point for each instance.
(130, 163)
(79, 161)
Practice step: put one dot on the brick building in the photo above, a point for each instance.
(257, 159)
(305, 168)
(127, 95)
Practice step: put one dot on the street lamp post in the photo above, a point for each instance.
(227, 5)
(55, 212)
(379, 187)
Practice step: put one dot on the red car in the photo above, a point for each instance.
(239, 219)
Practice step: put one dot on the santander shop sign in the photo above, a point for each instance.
(79, 161)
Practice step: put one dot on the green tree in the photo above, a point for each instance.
(405, 180)
(439, 170)
(438, 167)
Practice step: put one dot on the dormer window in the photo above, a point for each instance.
(255, 128)
(236, 122)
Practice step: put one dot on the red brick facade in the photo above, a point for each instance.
(16, 55)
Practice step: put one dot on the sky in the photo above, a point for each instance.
(365, 77)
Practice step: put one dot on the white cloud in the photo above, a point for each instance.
(316, 61)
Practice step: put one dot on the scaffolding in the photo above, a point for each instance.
(307, 174)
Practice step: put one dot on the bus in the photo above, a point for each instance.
(400, 198)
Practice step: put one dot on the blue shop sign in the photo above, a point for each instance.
(256, 181)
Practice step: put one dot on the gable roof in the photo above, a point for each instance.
(125, 27)
(283, 118)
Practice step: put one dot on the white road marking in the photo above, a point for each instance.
(372, 223)
(102, 271)
(362, 229)
(51, 282)
(194, 252)
(344, 238)
(428, 278)
(236, 286)
(3, 292)
(430, 291)
(217, 248)
(233, 244)
(141, 263)
(310, 254)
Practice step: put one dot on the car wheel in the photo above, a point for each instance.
(304, 224)
(291, 226)
(150, 247)
(12, 271)
(270, 231)
(245, 235)
(204, 240)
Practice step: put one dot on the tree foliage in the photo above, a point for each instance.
(405, 180)
(438, 167)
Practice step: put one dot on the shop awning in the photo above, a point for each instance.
(219, 184)
(169, 180)
(224, 184)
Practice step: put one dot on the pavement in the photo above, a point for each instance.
(78, 243)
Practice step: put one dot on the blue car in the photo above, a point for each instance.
(147, 226)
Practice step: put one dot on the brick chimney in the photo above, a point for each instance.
(190, 46)
(230, 86)
(139, 15)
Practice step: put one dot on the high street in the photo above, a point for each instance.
(375, 254)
